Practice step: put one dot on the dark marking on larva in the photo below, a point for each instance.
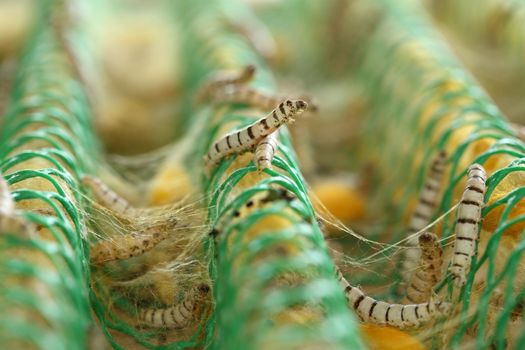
(250, 132)
(265, 124)
(217, 147)
(274, 115)
(431, 188)
(263, 158)
(348, 287)
(164, 317)
(228, 141)
(469, 202)
(152, 315)
(461, 253)
(457, 265)
(236, 213)
(372, 307)
(387, 313)
(414, 287)
(416, 311)
(249, 204)
(474, 188)
(426, 202)
(428, 307)
(281, 108)
(403, 314)
(462, 238)
(239, 138)
(358, 301)
(214, 232)
(478, 177)
(467, 221)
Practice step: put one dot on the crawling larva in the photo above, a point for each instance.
(247, 138)
(178, 316)
(467, 223)
(128, 246)
(423, 212)
(428, 272)
(107, 197)
(223, 79)
(396, 315)
(253, 97)
(265, 151)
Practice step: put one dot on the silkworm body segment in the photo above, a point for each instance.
(424, 211)
(396, 315)
(247, 138)
(428, 272)
(467, 223)
(178, 316)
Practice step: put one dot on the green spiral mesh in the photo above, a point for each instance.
(248, 300)
(46, 144)
(421, 101)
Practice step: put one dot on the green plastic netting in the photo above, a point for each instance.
(46, 143)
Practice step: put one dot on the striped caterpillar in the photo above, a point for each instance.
(428, 272)
(177, 316)
(396, 315)
(423, 212)
(246, 138)
(121, 247)
(467, 224)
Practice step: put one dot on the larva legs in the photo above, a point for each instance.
(428, 272)
(247, 138)
(395, 315)
(467, 223)
(178, 316)
(423, 212)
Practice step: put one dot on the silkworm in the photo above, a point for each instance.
(428, 272)
(265, 151)
(222, 79)
(177, 316)
(246, 138)
(107, 197)
(467, 223)
(396, 315)
(127, 246)
(254, 98)
(423, 212)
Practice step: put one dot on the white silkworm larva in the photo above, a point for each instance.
(128, 246)
(467, 223)
(253, 97)
(107, 197)
(265, 151)
(246, 138)
(428, 272)
(177, 316)
(222, 79)
(396, 315)
(423, 212)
